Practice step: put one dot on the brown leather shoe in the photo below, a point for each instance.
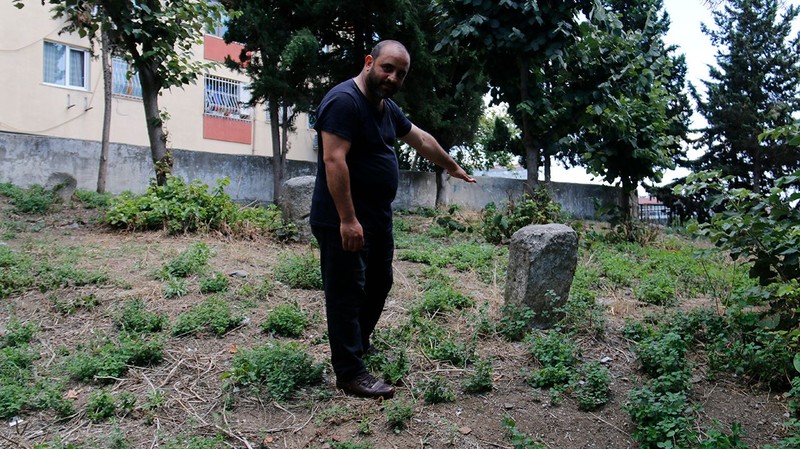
(368, 386)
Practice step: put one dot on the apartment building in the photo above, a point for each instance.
(54, 87)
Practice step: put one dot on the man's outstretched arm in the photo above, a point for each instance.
(429, 148)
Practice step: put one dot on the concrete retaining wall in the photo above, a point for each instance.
(27, 159)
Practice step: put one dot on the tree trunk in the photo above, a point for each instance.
(547, 166)
(531, 148)
(441, 193)
(102, 171)
(625, 200)
(277, 166)
(285, 129)
(162, 159)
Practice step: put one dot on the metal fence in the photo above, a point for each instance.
(655, 213)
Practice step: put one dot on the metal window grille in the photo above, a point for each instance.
(65, 66)
(655, 213)
(121, 84)
(226, 98)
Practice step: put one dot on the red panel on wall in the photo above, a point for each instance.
(227, 130)
(215, 49)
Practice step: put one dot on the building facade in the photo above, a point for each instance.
(54, 87)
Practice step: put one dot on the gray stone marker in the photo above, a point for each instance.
(297, 208)
(542, 259)
(63, 186)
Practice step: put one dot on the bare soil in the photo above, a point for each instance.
(191, 372)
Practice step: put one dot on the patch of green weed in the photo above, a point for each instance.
(299, 271)
(192, 260)
(399, 412)
(436, 390)
(214, 314)
(481, 379)
(286, 320)
(283, 367)
(216, 283)
(134, 317)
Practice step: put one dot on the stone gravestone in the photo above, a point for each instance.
(542, 261)
(63, 186)
(297, 208)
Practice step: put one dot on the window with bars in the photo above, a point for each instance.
(66, 66)
(121, 83)
(226, 98)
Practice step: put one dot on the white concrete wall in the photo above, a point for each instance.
(27, 160)
(30, 106)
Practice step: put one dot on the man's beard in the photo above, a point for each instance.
(378, 89)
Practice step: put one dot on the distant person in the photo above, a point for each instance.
(351, 209)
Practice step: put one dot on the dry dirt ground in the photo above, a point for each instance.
(191, 372)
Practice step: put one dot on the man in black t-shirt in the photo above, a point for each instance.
(351, 209)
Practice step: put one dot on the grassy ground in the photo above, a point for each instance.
(115, 339)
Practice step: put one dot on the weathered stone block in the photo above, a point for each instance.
(63, 186)
(297, 205)
(542, 259)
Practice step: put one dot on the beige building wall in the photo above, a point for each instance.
(32, 106)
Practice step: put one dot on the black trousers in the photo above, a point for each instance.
(356, 285)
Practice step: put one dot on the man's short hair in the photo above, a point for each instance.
(378, 48)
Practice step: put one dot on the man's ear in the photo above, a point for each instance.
(368, 61)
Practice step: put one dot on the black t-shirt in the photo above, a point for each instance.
(372, 161)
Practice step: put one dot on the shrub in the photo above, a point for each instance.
(519, 439)
(180, 207)
(282, 367)
(592, 389)
(553, 348)
(93, 200)
(663, 353)
(515, 321)
(536, 208)
(350, 445)
(760, 228)
(286, 320)
(299, 271)
(17, 334)
(34, 200)
(662, 419)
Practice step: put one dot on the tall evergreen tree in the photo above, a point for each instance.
(755, 87)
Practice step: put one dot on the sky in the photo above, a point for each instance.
(686, 17)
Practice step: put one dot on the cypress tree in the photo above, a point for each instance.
(754, 88)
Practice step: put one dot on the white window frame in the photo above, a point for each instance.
(226, 98)
(121, 84)
(64, 64)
